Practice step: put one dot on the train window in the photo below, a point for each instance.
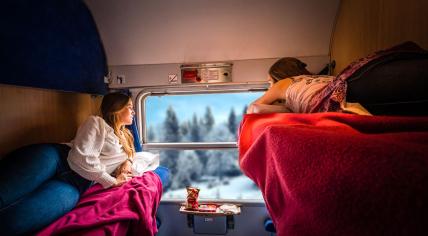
(195, 132)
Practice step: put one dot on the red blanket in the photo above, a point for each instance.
(126, 210)
(339, 174)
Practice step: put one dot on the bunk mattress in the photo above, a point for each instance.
(339, 174)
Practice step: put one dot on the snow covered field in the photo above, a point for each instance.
(240, 187)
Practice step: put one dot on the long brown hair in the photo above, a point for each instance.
(287, 67)
(110, 106)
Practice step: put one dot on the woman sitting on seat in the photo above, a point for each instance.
(40, 183)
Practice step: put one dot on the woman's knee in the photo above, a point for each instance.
(39, 208)
(163, 174)
(25, 169)
(39, 157)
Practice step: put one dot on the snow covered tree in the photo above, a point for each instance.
(214, 163)
(151, 134)
(230, 162)
(189, 168)
(171, 134)
(232, 123)
(208, 121)
(171, 128)
(195, 129)
(185, 131)
(184, 128)
(221, 133)
(223, 163)
(195, 136)
(244, 111)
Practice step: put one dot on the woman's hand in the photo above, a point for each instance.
(123, 173)
(276, 93)
(122, 178)
(125, 167)
(250, 109)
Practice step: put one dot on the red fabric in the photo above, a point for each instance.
(339, 174)
(126, 210)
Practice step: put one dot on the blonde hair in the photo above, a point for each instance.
(110, 106)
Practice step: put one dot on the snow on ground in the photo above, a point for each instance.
(240, 187)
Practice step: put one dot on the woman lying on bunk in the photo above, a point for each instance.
(37, 185)
(387, 82)
(293, 89)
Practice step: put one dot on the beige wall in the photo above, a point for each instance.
(30, 115)
(364, 26)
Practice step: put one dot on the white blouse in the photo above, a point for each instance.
(96, 152)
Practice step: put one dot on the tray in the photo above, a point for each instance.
(224, 209)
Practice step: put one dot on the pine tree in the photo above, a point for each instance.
(194, 130)
(232, 124)
(208, 119)
(244, 111)
(171, 134)
(189, 169)
(195, 136)
(223, 164)
(171, 128)
(151, 135)
(184, 128)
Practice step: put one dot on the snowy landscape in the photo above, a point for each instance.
(240, 187)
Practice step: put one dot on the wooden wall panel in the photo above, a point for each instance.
(364, 26)
(30, 115)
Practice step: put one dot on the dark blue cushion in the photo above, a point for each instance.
(51, 44)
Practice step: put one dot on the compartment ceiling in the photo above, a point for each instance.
(182, 31)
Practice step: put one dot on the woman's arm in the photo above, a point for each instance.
(83, 157)
(263, 109)
(274, 93)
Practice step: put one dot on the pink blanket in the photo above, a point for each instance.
(339, 174)
(126, 210)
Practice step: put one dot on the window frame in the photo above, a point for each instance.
(188, 89)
